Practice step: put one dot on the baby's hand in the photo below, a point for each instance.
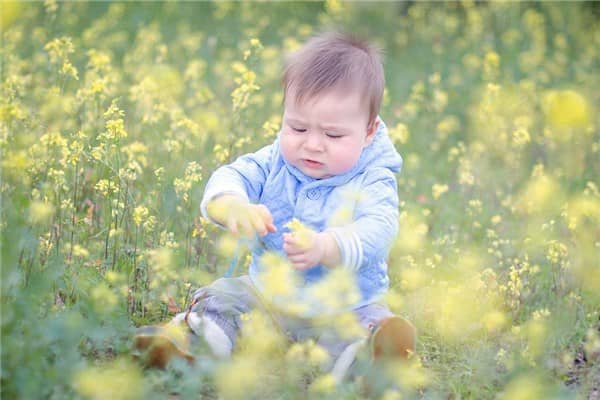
(303, 253)
(303, 246)
(241, 217)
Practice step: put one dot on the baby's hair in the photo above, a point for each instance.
(336, 60)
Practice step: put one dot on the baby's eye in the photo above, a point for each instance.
(333, 135)
(300, 130)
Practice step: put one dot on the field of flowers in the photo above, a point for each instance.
(113, 115)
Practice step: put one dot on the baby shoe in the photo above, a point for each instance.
(157, 345)
(393, 338)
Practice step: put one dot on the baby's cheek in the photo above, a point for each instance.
(344, 162)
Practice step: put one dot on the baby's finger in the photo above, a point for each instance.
(291, 250)
(232, 226)
(300, 265)
(258, 224)
(297, 259)
(266, 217)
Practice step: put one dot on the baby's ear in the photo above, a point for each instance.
(371, 130)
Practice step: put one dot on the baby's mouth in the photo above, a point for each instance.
(311, 163)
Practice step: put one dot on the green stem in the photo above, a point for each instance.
(73, 215)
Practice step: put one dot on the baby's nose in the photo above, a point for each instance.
(314, 141)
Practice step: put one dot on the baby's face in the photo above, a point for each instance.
(324, 136)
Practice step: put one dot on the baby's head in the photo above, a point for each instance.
(335, 61)
(333, 88)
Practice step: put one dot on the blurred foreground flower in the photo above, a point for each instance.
(40, 212)
(115, 381)
(525, 387)
(542, 196)
(409, 375)
(566, 109)
(301, 232)
(239, 378)
(323, 385)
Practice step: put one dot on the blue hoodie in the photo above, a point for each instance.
(367, 193)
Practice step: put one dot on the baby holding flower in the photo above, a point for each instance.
(331, 173)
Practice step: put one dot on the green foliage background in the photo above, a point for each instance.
(113, 115)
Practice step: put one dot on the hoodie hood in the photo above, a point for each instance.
(380, 153)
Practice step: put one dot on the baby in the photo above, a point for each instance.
(332, 157)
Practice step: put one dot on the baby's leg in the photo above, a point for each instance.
(216, 309)
(214, 316)
(344, 351)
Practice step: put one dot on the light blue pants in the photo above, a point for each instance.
(226, 299)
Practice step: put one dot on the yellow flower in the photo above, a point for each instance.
(541, 194)
(323, 384)
(592, 342)
(70, 70)
(447, 125)
(527, 387)
(347, 326)
(336, 291)
(413, 232)
(259, 336)
(491, 65)
(399, 133)
(317, 355)
(412, 278)
(98, 60)
(227, 245)
(119, 380)
(494, 320)
(440, 100)
(390, 394)
(40, 212)
(557, 253)
(303, 234)
(296, 352)
(59, 49)
(411, 374)
(80, 251)
(394, 300)
(104, 298)
(307, 352)
(140, 213)
(278, 276)
(536, 333)
(520, 137)
(437, 190)
(496, 219)
(10, 11)
(566, 109)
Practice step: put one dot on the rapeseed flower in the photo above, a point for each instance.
(40, 212)
(118, 380)
(566, 109)
(438, 189)
(324, 384)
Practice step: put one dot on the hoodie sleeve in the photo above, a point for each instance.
(375, 225)
(244, 177)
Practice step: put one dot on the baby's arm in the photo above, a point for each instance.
(375, 225)
(231, 191)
